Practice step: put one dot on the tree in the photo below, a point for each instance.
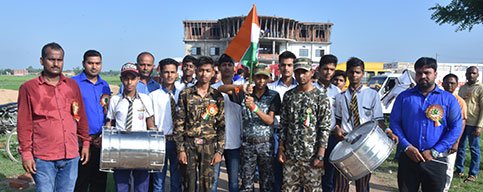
(77, 70)
(464, 13)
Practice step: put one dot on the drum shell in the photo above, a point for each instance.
(366, 148)
(132, 150)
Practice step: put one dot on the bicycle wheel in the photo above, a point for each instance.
(12, 146)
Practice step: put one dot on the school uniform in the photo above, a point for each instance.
(142, 108)
(369, 108)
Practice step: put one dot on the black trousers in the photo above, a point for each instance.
(89, 177)
(430, 175)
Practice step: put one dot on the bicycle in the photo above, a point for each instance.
(12, 147)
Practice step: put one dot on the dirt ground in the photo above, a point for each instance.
(8, 96)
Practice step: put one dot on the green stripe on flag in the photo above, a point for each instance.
(250, 56)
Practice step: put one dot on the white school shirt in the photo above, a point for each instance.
(233, 119)
(181, 86)
(281, 88)
(142, 109)
(331, 92)
(368, 103)
(162, 109)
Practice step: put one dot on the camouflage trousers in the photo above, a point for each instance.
(253, 155)
(199, 159)
(301, 174)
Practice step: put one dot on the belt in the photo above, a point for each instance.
(200, 140)
(169, 137)
(257, 140)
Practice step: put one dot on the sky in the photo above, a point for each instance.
(375, 31)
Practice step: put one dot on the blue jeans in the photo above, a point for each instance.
(474, 143)
(141, 180)
(171, 159)
(58, 175)
(328, 177)
(232, 163)
(277, 166)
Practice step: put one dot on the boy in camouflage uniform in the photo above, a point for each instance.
(258, 112)
(200, 129)
(304, 131)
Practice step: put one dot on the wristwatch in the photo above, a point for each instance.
(320, 157)
(434, 153)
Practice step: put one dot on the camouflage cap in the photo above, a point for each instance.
(262, 69)
(303, 63)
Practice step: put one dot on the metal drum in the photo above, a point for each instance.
(132, 150)
(363, 150)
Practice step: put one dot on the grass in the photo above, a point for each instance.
(14, 82)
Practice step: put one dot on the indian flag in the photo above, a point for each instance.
(244, 47)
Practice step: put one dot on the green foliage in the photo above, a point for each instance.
(464, 13)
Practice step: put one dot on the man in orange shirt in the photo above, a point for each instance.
(450, 83)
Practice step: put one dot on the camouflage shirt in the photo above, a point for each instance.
(304, 123)
(253, 126)
(200, 117)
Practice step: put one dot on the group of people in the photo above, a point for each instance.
(281, 131)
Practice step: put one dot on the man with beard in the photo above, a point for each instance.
(95, 94)
(472, 93)
(145, 63)
(200, 129)
(51, 120)
(164, 103)
(304, 131)
(428, 121)
(188, 67)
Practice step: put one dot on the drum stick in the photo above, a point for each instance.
(438, 161)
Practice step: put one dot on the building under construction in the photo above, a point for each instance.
(278, 34)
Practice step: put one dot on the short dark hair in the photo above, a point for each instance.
(142, 54)
(286, 55)
(451, 75)
(205, 60)
(53, 46)
(426, 62)
(240, 71)
(326, 59)
(189, 58)
(354, 62)
(225, 58)
(91, 53)
(167, 61)
(340, 73)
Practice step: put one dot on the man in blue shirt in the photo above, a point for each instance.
(95, 94)
(427, 121)
(145, 63)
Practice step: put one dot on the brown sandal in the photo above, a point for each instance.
(470, 178)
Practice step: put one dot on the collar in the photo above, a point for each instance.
(210, 90)
(151, 81)
(166, 89)
(265, 93)
(41, 79)
(279, 82)
(83, 77)
(435, 90)
(136, 96)
(193, 81)
(358, 90)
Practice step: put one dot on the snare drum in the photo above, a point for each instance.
(132, 150)
(363, 150)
